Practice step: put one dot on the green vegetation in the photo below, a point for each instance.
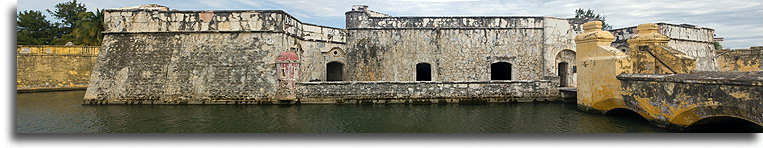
(717, 46)
(76, 25)
(589, 15)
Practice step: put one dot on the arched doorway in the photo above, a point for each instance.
(565, 68)
(423, 72)
(563, 74)
(500, 71)
(334, 71)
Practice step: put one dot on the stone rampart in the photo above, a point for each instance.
(45, 67)
(277, 21)
(741, 59)
(428, 91)
(696, 42)
(175, 57)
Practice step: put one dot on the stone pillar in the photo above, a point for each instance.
(650, 54)
(598, 65)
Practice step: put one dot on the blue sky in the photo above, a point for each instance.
(740, 22)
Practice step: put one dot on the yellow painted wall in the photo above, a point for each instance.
(598, 65)
(54, 67)
(741, 59)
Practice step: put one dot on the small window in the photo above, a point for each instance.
(500, 71)
(423, 72)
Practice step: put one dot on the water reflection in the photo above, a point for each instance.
(61, 112)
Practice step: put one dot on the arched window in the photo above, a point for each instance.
(500, 71)
(334, 71)
(423, 72)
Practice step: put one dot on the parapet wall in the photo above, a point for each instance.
(741, 59)
(40, 68)
(361, 19)
(679, 100)
(428, 91)
(148, 20)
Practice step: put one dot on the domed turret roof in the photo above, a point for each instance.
(283, 56)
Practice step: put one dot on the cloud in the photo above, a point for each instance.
(738, 21)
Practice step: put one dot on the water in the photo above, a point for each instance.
(61, 112)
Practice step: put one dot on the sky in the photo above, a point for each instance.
(740, 22)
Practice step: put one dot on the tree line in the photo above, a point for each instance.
(75, 24)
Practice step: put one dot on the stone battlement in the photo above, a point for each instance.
(362, 18)
(145, 20)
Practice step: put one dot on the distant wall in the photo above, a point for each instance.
(428, 92)
(741, 59)
(54, 67)
(695, 41)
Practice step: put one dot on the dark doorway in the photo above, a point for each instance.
(563, 74)
(423, 72)
(500, 71)
(334, 71)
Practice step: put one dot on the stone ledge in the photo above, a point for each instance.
(726, 77)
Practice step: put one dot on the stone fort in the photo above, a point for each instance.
(151, 54)
(669, 74)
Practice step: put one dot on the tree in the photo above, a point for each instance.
(89, 29)
(717, 45)
(589, 15)
(68, 13)
(33, 29)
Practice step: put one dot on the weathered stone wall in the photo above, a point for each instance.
(153, 55)
(741, 59)
(54, 67)
(156, 56)
(276, 21)
(696, 42)
(387, 48)
(428, 92)
(559, 45)
(678, 100)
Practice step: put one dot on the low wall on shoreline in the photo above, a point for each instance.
(424, 92)
(51, 67)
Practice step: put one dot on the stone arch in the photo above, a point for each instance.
(565, 68)
(335, 71)
(500, 71)
(690, 116)
(724, 124)
(423, 72)
(626, 112)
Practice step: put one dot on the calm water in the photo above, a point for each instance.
(61, 112)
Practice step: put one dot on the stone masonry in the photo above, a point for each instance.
(151, 54)
(45, 67)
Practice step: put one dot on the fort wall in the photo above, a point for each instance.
(180, 56)
(428, 92)
(386, 48)
(741, 59)
(45, 67)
